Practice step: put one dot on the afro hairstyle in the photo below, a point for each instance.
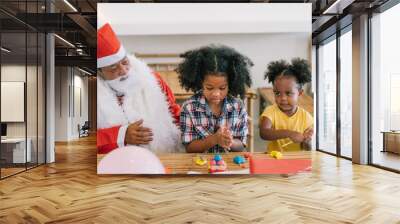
(219, 60)
(299, 69)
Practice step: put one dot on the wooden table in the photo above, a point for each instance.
(182, 163)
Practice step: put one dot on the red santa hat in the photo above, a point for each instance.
(109, 49)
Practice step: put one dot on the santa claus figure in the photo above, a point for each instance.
(134, 105)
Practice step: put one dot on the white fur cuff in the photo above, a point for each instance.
(121, 136)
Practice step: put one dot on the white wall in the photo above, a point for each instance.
(14, 73)
(260, 48)
(216, 18)
(80, 83)
(17, 73)
(68, 82)
(33, 127)
(61, 103)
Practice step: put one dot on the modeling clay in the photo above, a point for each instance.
(239, 160)
(200, 160)
(276, 154)
(217, 166)
(217, 157)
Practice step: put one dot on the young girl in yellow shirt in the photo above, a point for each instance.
(288, 126)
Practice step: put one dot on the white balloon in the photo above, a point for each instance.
(130, 160)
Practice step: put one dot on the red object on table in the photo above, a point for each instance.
(246, 155)
(278, 166)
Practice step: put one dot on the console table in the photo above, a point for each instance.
(13, 150)
(391, 141)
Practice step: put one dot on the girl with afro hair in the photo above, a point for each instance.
(288, 126)
(214, 119)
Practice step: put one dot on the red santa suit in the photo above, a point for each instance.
(148, 98)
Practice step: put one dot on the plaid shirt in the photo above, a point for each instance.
(197, 120)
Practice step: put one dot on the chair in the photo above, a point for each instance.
(84, 130)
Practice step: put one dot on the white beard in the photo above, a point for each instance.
(143, 99)
(124, 84)
(121, 84)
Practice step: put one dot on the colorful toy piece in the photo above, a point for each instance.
(239, 160)
(217, 158)
(217, 164)
(276, 154)
(200, 160)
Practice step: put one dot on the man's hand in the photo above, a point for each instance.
(136, 134)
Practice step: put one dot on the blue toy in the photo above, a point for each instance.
(217, 158)
(239, 160)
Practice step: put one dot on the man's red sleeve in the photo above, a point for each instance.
(107, 139)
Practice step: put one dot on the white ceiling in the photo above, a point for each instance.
(206, 18)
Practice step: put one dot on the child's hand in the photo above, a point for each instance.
(224, 137)
(228, 137)
(296, 137)
(308, 133)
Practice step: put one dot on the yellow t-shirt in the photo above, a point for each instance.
(299, 122)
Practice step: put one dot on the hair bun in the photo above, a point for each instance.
(299, 68)
(274, 69)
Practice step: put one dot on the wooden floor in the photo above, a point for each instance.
(10, 171)
(5, 172)
(70, 191)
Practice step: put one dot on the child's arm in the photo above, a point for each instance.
(202, 145)
(308, 133)
(306, 145)
(270, 134)
(190, 138)
(237, 145)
